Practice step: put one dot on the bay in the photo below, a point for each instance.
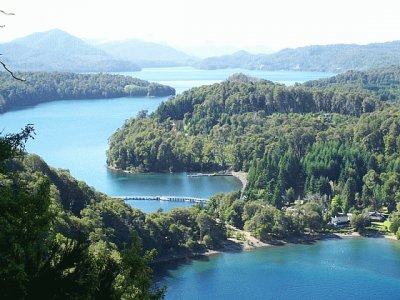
(353, 268)
(73, 134)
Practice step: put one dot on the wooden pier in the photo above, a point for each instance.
(210, 174)
(164, 198)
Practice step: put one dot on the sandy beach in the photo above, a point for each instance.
(242, 176)
(241, 240)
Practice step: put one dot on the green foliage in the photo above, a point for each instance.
(25, 217)
(135, 90)
(337, 138)
(395, 220)
(134, 280)
(265, 221)
(359, 221)
(226, 125)
(61, 239)
(381, 82)
(12, 145)
(44, 86)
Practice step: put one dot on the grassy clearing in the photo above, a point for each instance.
(381, 227)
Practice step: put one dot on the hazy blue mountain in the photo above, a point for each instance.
(333, 58)
(146, 54)
(238, 59)
(56, 50)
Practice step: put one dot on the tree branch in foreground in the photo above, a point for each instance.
(3, 64)
(5, 13)
(11, 73)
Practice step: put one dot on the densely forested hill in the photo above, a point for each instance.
(333, 142)
(60, 239)
(383, 82)
(227, 125)
(332, 58)
(59, 51)
(43, 87)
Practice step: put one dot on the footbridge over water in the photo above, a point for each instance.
(164, 198)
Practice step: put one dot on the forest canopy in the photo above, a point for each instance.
(42, 87)
(335, 137)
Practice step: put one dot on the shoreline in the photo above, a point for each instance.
(234, 245)
(242, 176)
(255, 243)
(244, 241)
(112, 168)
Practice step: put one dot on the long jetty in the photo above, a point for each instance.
(210, 174)
(164, 198)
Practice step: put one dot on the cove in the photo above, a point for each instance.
(73, 134)
(351, 268)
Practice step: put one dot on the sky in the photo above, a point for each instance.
(255, 25)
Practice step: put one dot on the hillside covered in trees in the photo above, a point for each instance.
(61, 239)
(227, 125)
(337, 138)
(42, 87)
(328, 58)
(334, 144)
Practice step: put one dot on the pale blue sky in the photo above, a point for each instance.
(250, 24)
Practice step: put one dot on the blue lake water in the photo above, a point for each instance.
(183, 78)
(73, 134)
(333, 269)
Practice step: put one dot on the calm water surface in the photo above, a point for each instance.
(73, 134)
(333, 269)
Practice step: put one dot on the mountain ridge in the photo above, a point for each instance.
(146, 54)
(325, 58)
(57, 50)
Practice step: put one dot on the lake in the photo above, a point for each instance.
(351, 268)
(73, 134)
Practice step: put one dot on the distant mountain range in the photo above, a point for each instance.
(146, 54)
(56, 50)
(332, 58)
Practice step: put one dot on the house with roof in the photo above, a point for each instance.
(341, 219)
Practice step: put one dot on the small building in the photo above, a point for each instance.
(376, 216)
(341, 219)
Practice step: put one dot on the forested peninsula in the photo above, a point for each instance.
(312, 151)
(229, 124)
(39, 87)
(332, 143)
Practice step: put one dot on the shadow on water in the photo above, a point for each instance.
(164, 269)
